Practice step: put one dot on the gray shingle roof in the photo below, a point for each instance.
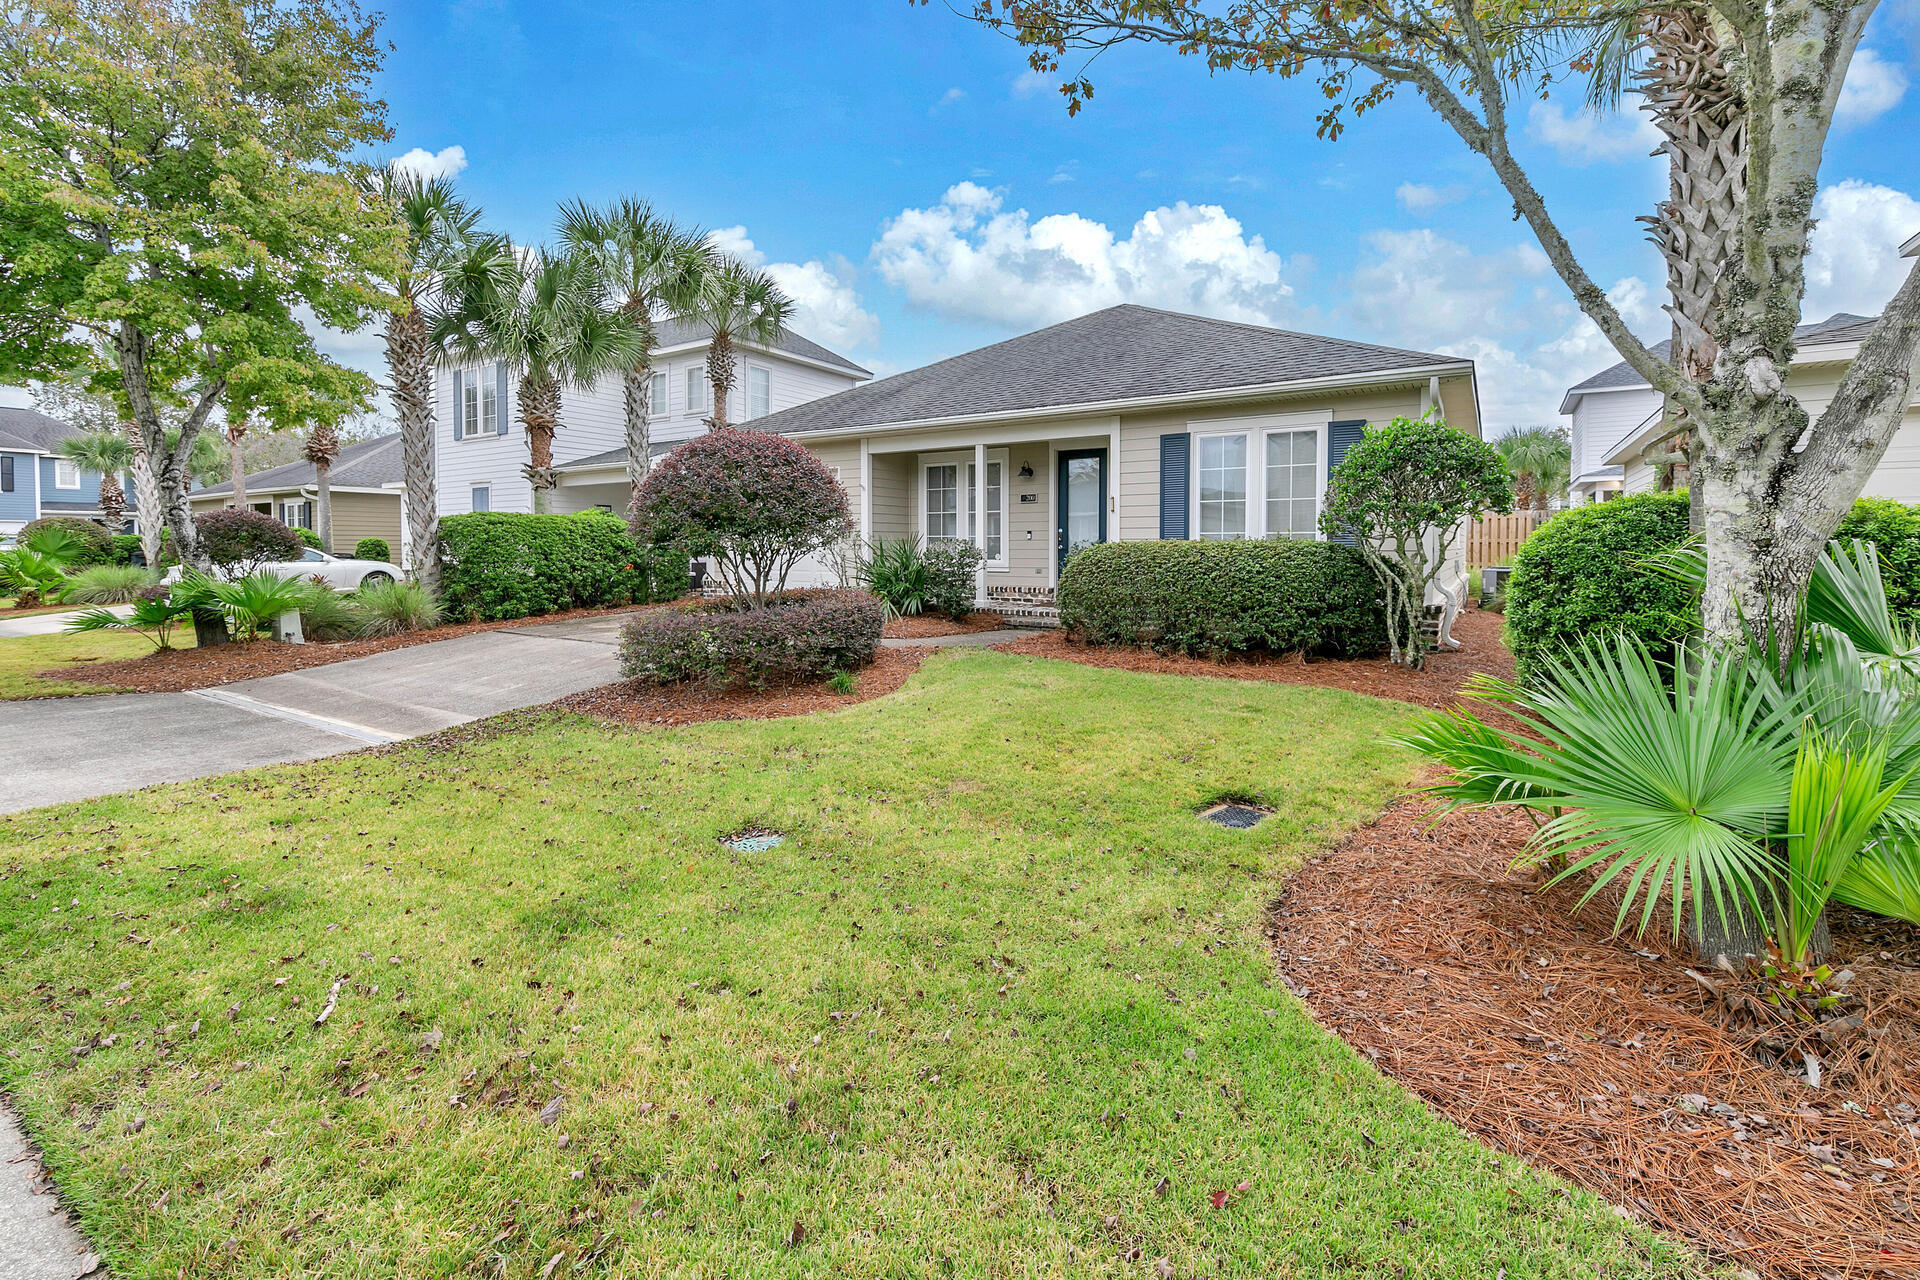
(369, 464)
(1120, 353)
(1839, 327)
(31, 429)
(675, 332)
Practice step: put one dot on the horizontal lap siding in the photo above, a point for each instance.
(1027, 557)
(18, 506)
(892, 495)
(365, 515)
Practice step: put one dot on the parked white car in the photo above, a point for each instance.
(337, 572)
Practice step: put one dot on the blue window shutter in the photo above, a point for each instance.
(500, 403)
(1342, 436)
(1175, 466)
(459, 407)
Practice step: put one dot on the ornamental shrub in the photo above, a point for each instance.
(308, 538)
(1582, 574)
(800, 636)
(371, 549)
(951, 567)
(125, 549)
(95, 543)
(1894, 528)
(1214, 598)
(752, 503)
(496, 565)
(243, 541)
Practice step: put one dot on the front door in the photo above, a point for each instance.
(1082, 501)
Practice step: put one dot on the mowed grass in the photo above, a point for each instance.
(1000, 1005)
(24, 658)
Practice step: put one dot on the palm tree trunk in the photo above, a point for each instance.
(540, 414)
(638, 388)
(410, 364)
(113, 501)
(720, 373)
(146, 497)
(236, 431)
(323, 506)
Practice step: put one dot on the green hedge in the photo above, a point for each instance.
(1579, 575)
(497, 565)
(1223, 597)
(1893, 527)
(372, 549)
(308, 538)
(96, 544)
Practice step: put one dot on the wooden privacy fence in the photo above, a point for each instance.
(1493, 539)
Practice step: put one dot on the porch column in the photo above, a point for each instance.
(866, 497)
(980, 522)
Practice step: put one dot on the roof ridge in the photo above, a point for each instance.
(1267, 328)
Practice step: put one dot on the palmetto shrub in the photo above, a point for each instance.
(1284, 596)
(895, 571)
(106, 584)
(156, 612)
(250, 603)
(803, 636)
(95, 543)
(372, 549)
(391, 608)
(1586, 572)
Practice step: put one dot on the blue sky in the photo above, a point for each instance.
(920, 192)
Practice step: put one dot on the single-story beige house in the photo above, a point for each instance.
(1129, 423)
(366, 488)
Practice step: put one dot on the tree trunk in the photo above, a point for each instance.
(113, 501)
(323, 505)
(237, 462)
(638, 387)
(146, 498)
(720, 374)
(409, 362)
(540, 414)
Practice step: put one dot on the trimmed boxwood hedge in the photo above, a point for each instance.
(497, 565)
(372, 549)
(1211, 598)
(1893, 527)
(1579, 575)
(801, 636)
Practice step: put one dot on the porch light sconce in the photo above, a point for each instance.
(1026, 471)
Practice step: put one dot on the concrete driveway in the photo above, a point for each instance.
(75, 748)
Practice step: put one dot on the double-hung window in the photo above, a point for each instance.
(480, 402)
(759, 392)
(696, 389)
(948, 483)
(66, 474)
(1259, 478)
(657, 395)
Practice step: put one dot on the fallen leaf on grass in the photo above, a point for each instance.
(798, 1234)
(1220, 1198)
(551, 1112)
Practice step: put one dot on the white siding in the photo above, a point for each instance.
(1601, 420)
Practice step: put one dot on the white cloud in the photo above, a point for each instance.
(1873, 87)
(1428, 291)
(1418, 196)
(1853, 258)
(1030, 83)
(826, 305)
(1584, 137)
(444, 163)
(967, 256)
(947, 99)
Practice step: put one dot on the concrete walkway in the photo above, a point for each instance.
(47, 624)
(978, 638)
(108, 743)
(37, 1240)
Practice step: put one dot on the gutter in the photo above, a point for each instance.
(1092, 408)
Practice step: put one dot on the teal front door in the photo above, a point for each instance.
(1082, 501)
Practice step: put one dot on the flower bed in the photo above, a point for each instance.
(798, 637)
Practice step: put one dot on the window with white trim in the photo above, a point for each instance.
(947, 493)
(480, 403)
(942, 494)
(481, 498)
(696, 389)
(759, 392)
(66, 473)
(1260, 479)
(296, 515)
(657, 395)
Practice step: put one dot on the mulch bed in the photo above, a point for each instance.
(635, 702)
(178, 670)
(926, 628)
(11, 612)
(1436, 685)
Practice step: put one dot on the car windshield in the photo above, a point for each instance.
(311, 555)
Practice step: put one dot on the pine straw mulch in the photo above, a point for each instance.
(178, 670)
(635, 702)
(925, 627)
(1601, 1059)
(1436, 685)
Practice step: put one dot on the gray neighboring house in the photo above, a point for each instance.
(367, 488)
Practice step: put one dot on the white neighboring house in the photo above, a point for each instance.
(481, 446)
(1617, 417)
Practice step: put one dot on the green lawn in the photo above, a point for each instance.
(1001, 1006)
(22, 658)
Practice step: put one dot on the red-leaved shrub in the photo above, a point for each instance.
(244, 541)
(804, 636)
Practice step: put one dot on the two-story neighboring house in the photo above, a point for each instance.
(482, 447)
(1619, 430)
(35, 480)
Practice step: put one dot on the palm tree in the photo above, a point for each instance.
(741, 305)
(549, 316)
(1540, 459)
(110, 454)
(651, 266)
(322, 447)
(437, 225)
